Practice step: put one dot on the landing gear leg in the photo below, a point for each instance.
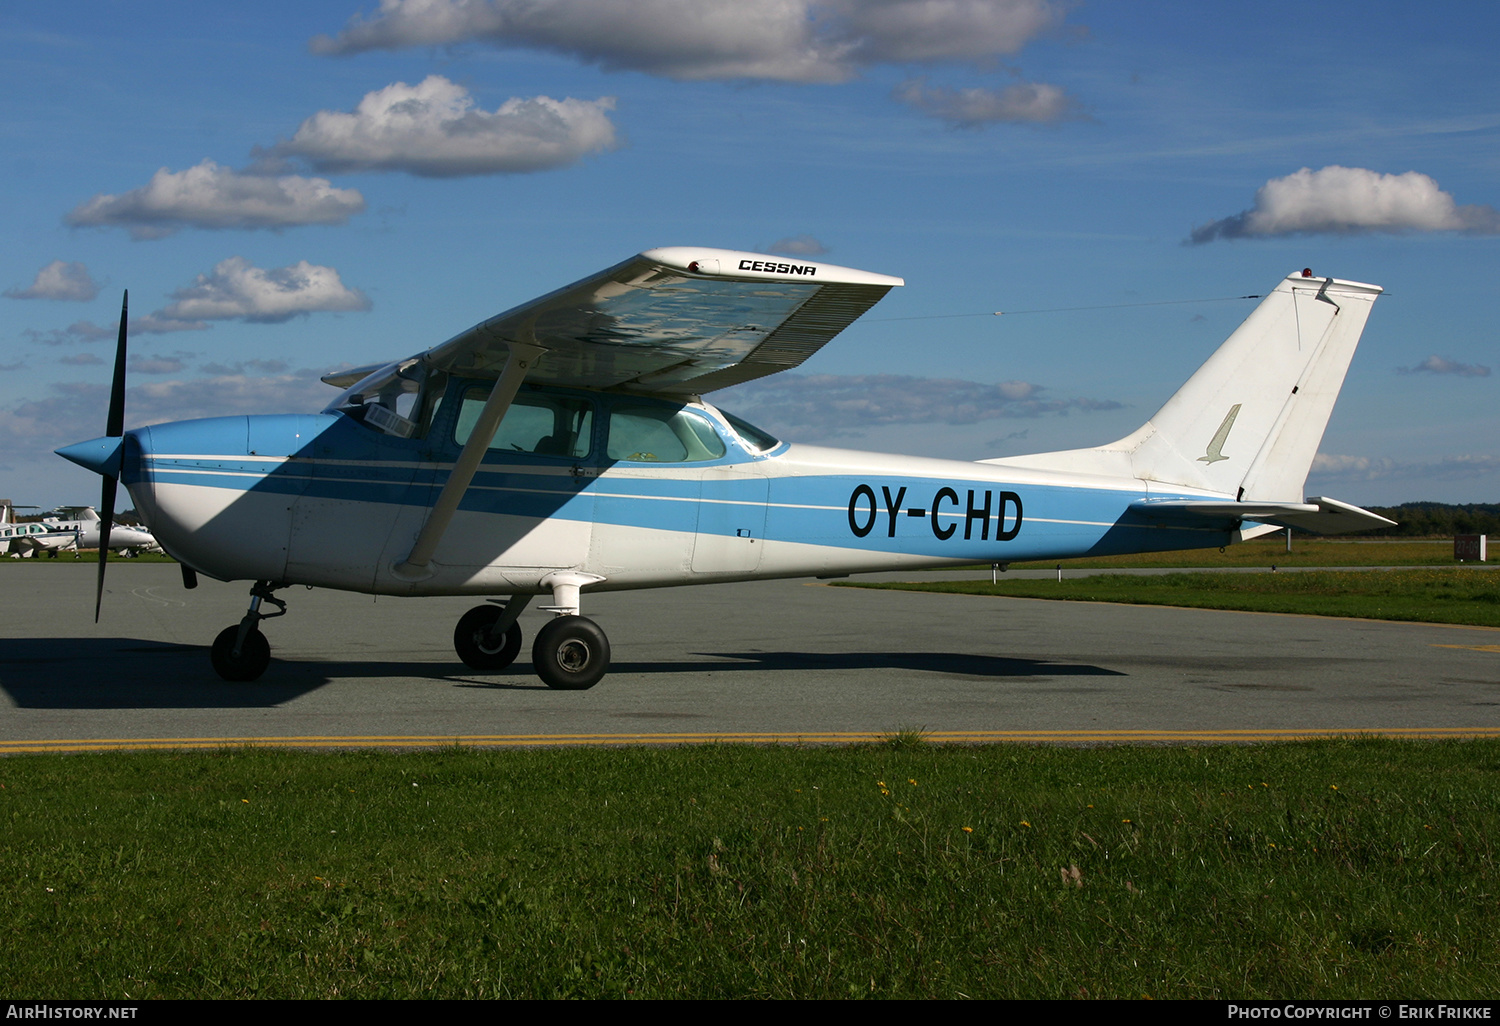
(241, 652)
(570, 653)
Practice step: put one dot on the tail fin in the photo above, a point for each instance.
(1248, 423)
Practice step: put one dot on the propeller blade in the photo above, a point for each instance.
(114, 428)
(107, 508)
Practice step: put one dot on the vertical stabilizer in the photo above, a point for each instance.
(1249, 422)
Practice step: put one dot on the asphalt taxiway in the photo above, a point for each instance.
(771, 660)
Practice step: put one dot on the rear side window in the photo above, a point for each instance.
(659, 434)
(546, 425)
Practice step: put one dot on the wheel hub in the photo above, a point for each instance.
(573, 655)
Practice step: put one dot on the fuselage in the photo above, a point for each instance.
(638, 491)
(25, 539)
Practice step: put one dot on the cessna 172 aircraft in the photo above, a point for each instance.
(563, 447)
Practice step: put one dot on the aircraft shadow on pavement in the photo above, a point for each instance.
(128, 673)
(945, 663)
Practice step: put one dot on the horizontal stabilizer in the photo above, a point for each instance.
(1318, 514)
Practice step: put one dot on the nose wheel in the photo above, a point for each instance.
(249, 662)
(241, 653)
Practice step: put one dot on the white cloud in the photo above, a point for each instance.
(1025, 102)
(159, 401)
(239, 290)
(75, 410)
(159, 364)
(238, 368)
(900, 31)
(212, 196)
(842, 403)
(785, 40)
(434, 129)
(1342, 200)
(798, 245)
(1439, 365)
(1363, 468)
(59, 280)
(88, 331)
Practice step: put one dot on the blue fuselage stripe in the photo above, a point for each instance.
(971, 514)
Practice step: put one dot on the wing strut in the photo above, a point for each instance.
(522, 358)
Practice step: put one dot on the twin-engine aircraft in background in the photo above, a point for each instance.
(22, 541)
(87, 529)
(562, 448)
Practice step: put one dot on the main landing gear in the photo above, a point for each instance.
(241, 652)
(488, 638)
(570, 653)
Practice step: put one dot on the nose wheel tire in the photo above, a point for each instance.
(477, 653)
(254, 657)
(570, 653)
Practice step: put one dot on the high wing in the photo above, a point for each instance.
(670, 322)
(678, 321)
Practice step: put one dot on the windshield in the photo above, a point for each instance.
(398, 399)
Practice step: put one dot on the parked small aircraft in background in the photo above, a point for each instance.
(564, 446)
(85, 524)
(22, 541)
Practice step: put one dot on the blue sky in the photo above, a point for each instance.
(289, 188)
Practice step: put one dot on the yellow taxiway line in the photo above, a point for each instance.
(970, 737)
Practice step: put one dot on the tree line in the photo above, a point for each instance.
(1437, 519)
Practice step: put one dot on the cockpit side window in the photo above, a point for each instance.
(539, 423)
(754, 438)
(661, 434)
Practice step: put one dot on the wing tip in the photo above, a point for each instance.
(707, 262)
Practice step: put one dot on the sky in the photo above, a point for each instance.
(291, 188)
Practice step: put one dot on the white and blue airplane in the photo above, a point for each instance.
(563, 447)
(22, 541)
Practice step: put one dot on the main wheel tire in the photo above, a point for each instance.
(254, 657)
(469, 643)
(570, 653)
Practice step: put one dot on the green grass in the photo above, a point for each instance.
(87, 556)
(1268, 552)
(1460, 595)
(1319, 870)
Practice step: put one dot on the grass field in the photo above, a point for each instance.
(1318, 870)
(1268, 552)
(1459, 595)
(88, 556)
